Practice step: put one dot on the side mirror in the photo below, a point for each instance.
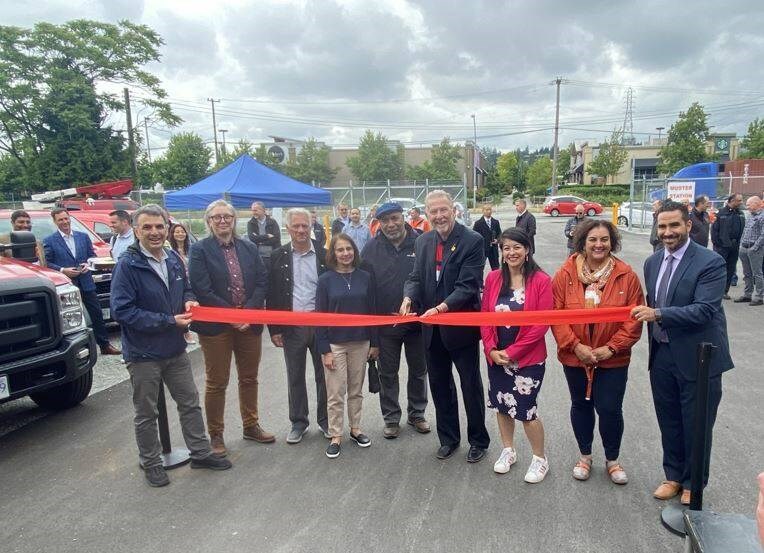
(24, 245)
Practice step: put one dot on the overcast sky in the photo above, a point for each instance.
(418, 70)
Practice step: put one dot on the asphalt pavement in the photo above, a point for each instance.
(70, 481)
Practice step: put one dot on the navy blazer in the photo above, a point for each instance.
(57, 255)
(693, 312)
(461, 277)
(211, 283)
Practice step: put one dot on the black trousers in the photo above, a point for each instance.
(391, 340)
(674, 399)
(492, 254)
(730, 256)
(443, 390)
(608, 389)
(90, 299)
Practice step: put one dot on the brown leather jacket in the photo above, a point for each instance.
(623, 288)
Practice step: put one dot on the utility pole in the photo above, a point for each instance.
(555, 150)
(475, 158)
(215, 129)
(130, 136)
(146, 131)
(660, 130)
(223, 131)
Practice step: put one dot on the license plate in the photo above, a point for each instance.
(106, 313)
(5, 390)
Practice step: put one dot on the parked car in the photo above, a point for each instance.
(96, 221)
(635, 214)
(408, 203)
(566, 205)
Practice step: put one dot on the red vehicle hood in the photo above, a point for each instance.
(13, 268)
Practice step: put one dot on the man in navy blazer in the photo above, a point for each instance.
(448, 276)
(685, 284)
(68, 251)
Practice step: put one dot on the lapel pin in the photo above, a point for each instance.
(453, 248)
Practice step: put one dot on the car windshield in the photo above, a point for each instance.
(42, 226)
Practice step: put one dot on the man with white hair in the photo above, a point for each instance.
(294, 272)
(752, 253)
(447, 276)
(263, 231)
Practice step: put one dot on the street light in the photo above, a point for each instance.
(223, 131)
(474, 161)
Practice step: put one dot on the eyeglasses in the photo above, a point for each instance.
(218, 218)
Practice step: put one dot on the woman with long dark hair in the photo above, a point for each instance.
(516, 355)
(180, 244)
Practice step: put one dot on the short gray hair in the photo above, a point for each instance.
(152, 210)
(438, 194)
(257, 203)
(219, 203)
(297, 211)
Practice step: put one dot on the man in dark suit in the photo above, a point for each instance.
(447, 276)
(294, 272)
(264, 232)
(319, 232)
(490, 230)
(68, 251)
(685, 284)
(725, 235)
(526, 221)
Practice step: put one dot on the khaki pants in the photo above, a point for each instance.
(217, 350)
(346, 378)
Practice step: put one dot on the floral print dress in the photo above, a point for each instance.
(513, 390)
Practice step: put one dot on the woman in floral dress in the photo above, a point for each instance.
(516, 355)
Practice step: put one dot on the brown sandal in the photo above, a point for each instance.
(583, 469)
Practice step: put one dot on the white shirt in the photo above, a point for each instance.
(305, 280)
(69, 241)
(121, 242)
(677, 258)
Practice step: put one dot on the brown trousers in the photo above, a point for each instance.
(346, 378)
(217, 350)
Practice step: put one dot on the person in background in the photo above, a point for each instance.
(570, 227)
(68, 251)
(357, 230)
(725, 235)
(123, 237)
(317, 229)
(339, 223)
(264, 232)
(226, 271)
(596, 357)
(180, 244)
(526, 222)
(417, 222)
(752, 253)
(685, 284)
(389, 257)
(372, 220)
(516, 355)
(21, 221)
(151, 299)
(345, 288)
(655, 242)
(701, 223)
(490, 229)
(295, 269)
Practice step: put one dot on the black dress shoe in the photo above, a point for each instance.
(742, 299)
(445, 451)
(475, 454)
(156, 476)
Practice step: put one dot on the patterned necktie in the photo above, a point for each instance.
(660, 298)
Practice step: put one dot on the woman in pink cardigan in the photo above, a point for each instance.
(516, 355)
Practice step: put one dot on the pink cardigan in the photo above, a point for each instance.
(529, 347)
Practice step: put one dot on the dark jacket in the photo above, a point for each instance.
(489, 234)
(211, 283)
(354, 295)
(570, 229)
(390, 267)
(271, 227)
(281, 279)
(58, 255)
(655, 242)
(527, 222)
(145, 308)
(693, 312)
(337, 225)
(701, 223)
(320, 233)
(728, 228)
(461, 278)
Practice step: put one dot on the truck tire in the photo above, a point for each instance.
(67, 395)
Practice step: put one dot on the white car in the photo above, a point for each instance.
(636, 214)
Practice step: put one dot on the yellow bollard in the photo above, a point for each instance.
(615, 214)
(327, 231)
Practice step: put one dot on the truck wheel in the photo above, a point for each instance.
(67, 395)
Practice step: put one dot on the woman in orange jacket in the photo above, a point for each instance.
(596, 356)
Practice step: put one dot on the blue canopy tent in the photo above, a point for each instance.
(244, 181)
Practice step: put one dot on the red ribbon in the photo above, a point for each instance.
(505, 318)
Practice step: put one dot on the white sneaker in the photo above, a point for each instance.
(506, 460)
(537, 471)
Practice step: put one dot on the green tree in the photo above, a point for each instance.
(563, 164)
(753, 143)
(311, 164)
(686, 140)
(51, 113)
(376, 159)
(611, 157)
(186, 161)
(539, 176)
(242, 147)
(442, 164)
(507, 169)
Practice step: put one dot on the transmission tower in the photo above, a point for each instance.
(627, 131)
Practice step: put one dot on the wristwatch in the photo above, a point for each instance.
(658, 316)
(612, 350)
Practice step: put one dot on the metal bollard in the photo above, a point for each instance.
(171, 457)
(616, 208)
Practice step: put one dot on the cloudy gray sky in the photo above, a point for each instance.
(418, 70)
